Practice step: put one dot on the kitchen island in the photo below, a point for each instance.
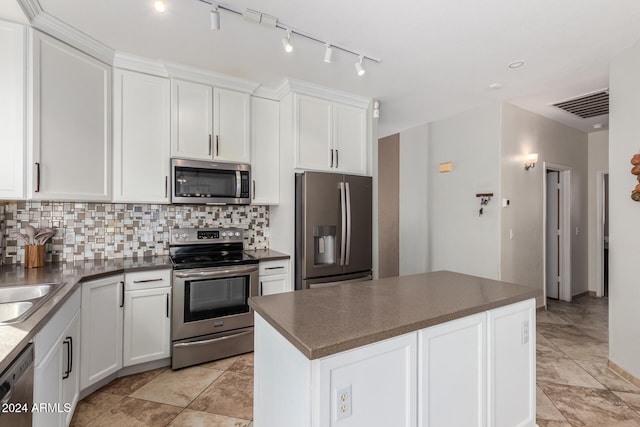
(433, 349)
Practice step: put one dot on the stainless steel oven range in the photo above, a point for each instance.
(212, 282)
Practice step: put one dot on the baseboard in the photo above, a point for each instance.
(624, 374)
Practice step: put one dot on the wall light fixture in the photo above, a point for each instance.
(530, 161)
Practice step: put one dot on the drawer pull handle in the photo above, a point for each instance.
(147, 281)
(274, 268)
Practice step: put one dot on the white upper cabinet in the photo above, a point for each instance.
(195, 133)
(231, 125)
(71, 157)
(265, 151)
(12, 110)
(329, 136)
(141, 137)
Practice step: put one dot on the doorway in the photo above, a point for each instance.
(557, 232)
(602, 233)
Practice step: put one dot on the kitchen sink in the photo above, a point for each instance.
(10, 311)
(18, 302)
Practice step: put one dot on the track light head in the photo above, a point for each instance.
(286, 43)
(359, 69)
(214, 15)
(328, 53)
(160, 5)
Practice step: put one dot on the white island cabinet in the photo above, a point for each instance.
(441, 359)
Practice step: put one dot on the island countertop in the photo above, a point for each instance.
(324, 321)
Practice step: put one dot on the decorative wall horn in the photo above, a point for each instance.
(635, 161)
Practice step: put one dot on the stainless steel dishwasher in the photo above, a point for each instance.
(16, 391)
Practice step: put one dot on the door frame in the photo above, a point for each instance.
(600, 207)
(565, 227)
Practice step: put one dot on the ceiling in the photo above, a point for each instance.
(439, 57)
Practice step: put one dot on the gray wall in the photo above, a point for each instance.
(522, 257)
(624, 227)
(460, 239)
(389, 205)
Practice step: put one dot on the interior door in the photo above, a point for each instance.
(358, 245)
(322, 227)
(553, 235)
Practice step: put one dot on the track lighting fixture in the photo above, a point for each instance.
(215, 18)
(257, 17)
(160, 5)
(328, 53)
(359, 69)
(286, 42)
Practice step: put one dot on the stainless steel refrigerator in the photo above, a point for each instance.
(333, 229)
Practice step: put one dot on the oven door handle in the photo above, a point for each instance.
(218, 272)
(211, 341)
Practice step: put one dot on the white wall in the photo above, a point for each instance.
(522, 257)
(413, 224)
(460, 239)
(598, 161)
(624, 224)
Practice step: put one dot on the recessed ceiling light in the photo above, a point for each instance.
(516, 64)
(495, 86)
(597, 126)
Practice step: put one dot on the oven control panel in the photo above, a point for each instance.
(191, 236)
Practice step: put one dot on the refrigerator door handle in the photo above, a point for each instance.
(348, 244)
(343, 207)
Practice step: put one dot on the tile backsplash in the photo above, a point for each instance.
(119, 230)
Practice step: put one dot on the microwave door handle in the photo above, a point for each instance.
(238, 184)
(343, 240)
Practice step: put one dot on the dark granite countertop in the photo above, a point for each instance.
(14, 337)
(266, 254)
(324, 321)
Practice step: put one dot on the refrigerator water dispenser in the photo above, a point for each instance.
(324, 245)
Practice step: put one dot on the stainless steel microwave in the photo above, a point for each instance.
(213, 183)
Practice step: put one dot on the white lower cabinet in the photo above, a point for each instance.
(452, 366)
(274, 277)
(478, 370)
(101, 349)
(147, 322)
(512, 365)
(56, 372)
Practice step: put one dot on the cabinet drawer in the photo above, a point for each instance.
(268, 268)
(147, 280)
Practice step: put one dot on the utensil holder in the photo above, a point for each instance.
(33, 256)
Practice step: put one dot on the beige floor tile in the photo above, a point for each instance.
(124, 386)
(591, 407)
(583, 350)
(600, 333)
(601, 372)
(135, 412)
(230, 395)
(92, 406)
(550, 317)
(566, 332)
(552, 423)
(631, 399)
(548, 349)
(190, 418)
(545, 409)
(179, 387)
(220, 365)
(563, 371)
(244, 364)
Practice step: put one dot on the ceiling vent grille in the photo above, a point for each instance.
(591, 105)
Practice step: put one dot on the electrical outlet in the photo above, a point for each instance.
(512, 235)
(525, 332)
(343, 403)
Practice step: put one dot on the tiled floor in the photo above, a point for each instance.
(575, 388)
(216, 394)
